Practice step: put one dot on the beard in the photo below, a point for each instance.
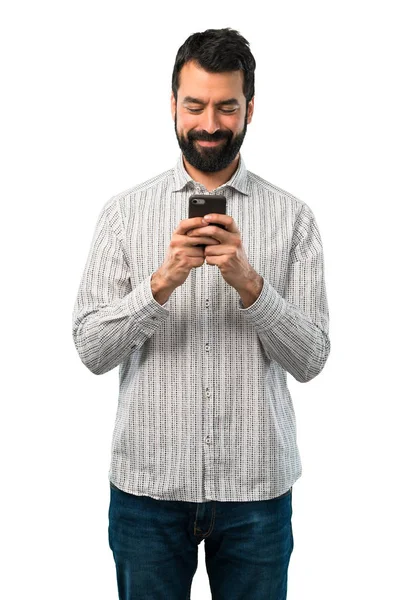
(211, 159)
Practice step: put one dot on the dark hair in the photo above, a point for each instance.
(217, 51)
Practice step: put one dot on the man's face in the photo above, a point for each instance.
(210, 117)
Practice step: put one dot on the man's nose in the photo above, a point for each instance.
(210, 121)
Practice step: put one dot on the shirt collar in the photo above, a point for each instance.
(238, 181)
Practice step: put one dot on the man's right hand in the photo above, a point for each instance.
(183, 254)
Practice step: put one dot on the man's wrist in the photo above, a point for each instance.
(251, 290)
(159, 288)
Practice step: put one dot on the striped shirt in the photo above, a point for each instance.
(204, 410)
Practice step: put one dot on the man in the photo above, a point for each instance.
(205, 322)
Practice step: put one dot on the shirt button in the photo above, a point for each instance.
(207, 303)
(207, 347)
(208, 440)
(208, 393)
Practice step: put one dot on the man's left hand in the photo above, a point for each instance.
(229, 254)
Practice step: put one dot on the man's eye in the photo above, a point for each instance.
(224, 110)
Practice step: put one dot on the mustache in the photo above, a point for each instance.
(206, 137)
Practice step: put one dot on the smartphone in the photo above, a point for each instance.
(204, 204)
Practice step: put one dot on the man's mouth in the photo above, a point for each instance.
(203, 143)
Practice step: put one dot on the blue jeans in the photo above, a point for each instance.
(154, 543)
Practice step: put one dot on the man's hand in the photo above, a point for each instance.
(183, 254)
(229, 254)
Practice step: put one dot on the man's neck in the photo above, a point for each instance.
(212, 180)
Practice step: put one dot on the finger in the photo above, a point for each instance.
(217, 250)
(222, 235)
(186, 224)
(198, 239)
(226, 220)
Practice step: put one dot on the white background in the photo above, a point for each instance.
(85, 114)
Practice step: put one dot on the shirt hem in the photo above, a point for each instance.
(255, 497)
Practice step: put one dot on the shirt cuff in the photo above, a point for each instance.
(142, 305)
(267, 310)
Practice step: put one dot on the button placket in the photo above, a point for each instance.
(207, 336)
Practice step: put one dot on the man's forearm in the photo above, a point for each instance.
(292, 337)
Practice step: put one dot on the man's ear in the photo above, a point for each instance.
(173, 106)
(250, 110)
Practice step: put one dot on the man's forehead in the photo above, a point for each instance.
(195, 82)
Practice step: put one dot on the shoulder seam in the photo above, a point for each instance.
(122, 243)
(140, 187)
(274, 188)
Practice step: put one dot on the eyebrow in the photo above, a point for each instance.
(190, 99)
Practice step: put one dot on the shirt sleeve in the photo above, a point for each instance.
(294, 328)
(110, 319)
